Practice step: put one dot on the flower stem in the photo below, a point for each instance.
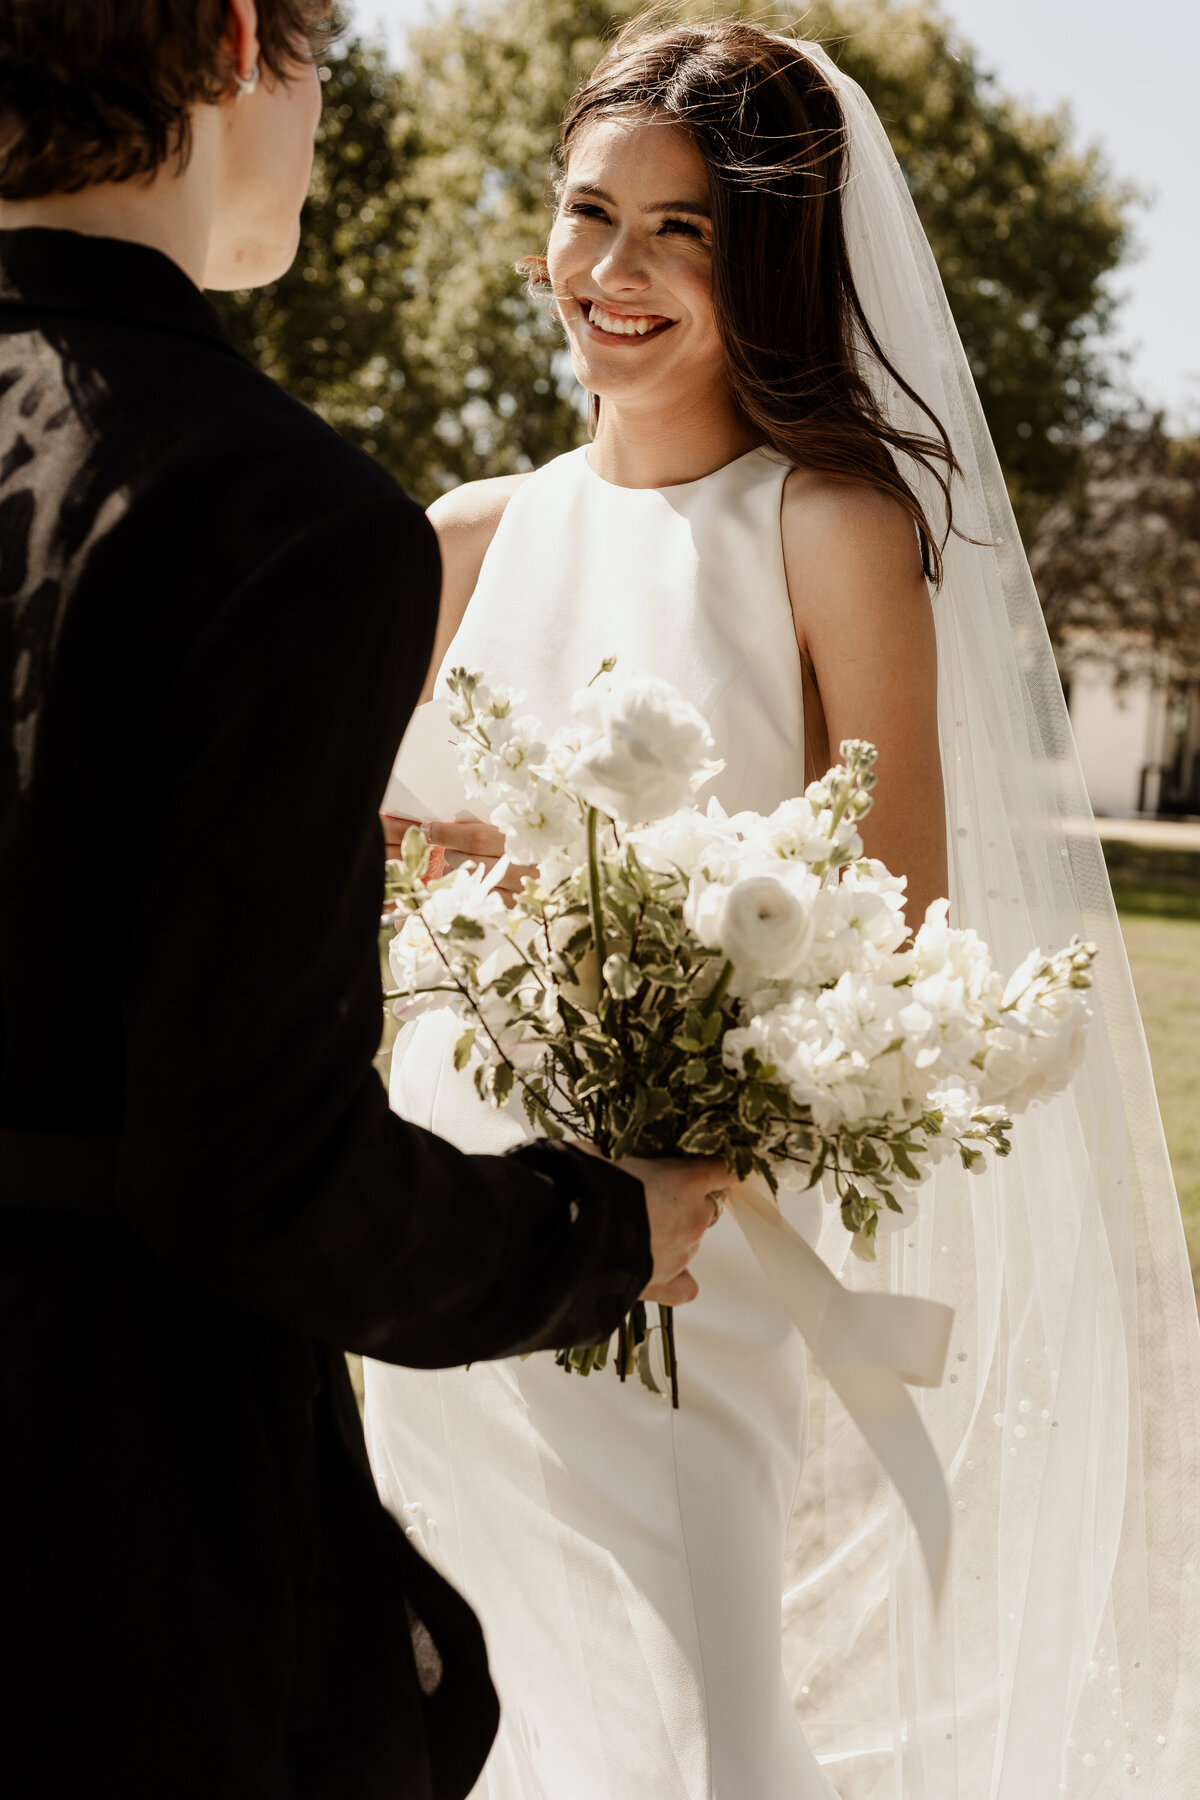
(719, 990)
(595, 912)
(666, 1319)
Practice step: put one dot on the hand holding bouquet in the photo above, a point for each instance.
(676, 980)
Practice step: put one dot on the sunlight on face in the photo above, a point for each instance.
(630, 257)
(267, 166)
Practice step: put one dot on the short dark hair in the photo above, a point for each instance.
(101, 90)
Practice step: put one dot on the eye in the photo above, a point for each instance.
(584, 209)
(681, 228)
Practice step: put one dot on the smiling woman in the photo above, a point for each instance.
(764, 185)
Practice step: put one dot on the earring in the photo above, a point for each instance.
(246, 84)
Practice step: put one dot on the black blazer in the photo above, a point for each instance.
(215, 618)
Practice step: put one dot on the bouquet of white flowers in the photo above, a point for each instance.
(675, 980)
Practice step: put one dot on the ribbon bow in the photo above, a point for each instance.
(869, 1346)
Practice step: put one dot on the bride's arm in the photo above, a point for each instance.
(864, 624)
(465, 520)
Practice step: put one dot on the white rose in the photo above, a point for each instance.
(763, 925)
(645, 753)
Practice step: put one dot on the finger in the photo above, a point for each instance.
(468, 835)
(457, 859)
(395, 830)
(676, 1292)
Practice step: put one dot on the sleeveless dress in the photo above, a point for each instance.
(625, 1559)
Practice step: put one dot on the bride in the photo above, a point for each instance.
(790, 509)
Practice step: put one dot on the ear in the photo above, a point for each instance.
(240, 37)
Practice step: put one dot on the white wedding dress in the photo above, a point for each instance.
(625, 1559)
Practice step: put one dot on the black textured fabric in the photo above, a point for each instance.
(215, 618)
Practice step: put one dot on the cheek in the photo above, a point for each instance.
(562, 250)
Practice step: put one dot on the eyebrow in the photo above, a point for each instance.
(697, 207)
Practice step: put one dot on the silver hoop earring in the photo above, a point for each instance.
(246, 84)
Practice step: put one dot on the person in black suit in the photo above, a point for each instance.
(216, 618)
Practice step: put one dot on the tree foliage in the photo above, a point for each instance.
(404, 323)
(1117, 556)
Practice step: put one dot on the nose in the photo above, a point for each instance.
(622, 268)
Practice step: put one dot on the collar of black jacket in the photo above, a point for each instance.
(98, 277)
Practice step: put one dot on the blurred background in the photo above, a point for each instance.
(1051, 148)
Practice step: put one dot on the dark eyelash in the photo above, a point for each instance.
(684, 225)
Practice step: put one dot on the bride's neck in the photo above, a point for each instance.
(637, 449)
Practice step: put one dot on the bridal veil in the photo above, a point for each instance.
(1064, 1657)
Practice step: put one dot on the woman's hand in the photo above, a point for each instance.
(453, 842)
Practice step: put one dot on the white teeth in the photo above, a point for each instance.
(618, 327)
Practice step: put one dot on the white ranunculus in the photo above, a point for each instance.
(645, 750)
(762, 924)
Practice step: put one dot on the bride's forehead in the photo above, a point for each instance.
(641, 151)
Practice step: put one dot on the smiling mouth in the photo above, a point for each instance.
(632, 327)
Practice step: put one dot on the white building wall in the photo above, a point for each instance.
(1117, 731)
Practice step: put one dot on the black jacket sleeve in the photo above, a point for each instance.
(259, 1155)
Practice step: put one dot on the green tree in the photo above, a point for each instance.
(1117, 556)
(332, 330)
(1026, 227)
(404, 323)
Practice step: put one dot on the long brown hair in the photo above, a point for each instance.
(773, 137)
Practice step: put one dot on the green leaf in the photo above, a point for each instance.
(658, 1103)
(666, 974)
(702, 1138)
(621, 977)
(507, 980)
(502, 1082)
(904, 1162)
(463, 1049)
(694, 1071)
(462, 927)
(414, 850)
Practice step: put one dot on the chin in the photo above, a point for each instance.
(253, 261)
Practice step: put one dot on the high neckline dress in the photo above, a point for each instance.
(625, 1559)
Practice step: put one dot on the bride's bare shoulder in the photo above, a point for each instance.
(465, 519)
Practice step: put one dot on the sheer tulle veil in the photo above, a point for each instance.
(1063, 1659)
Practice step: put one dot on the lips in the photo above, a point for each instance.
(622, 326)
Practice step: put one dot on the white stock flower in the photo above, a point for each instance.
(1036, 1050)
(469, 893)
(645, 750)
(690, 840)
(415, 964)
(793, 830)
(538, 820)
(517, 749)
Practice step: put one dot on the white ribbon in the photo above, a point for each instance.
(869, 1346)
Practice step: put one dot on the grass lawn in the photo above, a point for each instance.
(1158, 897)
(1164, 952)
